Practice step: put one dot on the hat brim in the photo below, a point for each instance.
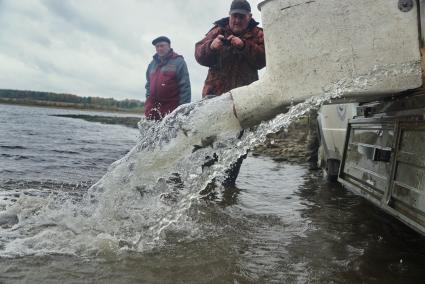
(159, 41)
(239, 11)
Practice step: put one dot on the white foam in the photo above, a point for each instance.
(153, 187)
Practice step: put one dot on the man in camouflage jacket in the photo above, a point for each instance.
(233, 50)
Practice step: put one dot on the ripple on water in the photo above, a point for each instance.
(252, 235)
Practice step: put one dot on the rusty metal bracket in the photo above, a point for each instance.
(405, 5)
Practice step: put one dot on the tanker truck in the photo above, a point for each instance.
(367, 55)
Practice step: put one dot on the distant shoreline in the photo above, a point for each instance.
(69, 101)
(125, 121)
(72, 107)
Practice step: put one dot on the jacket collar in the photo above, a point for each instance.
(169, 56)
(224, 22)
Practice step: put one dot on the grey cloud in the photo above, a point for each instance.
(79, 47)
(41, 40)
(69, 13)
(97, 27)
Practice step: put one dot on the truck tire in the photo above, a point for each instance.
(332, 169)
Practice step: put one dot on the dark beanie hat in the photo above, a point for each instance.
(161, 39)
(240, 7)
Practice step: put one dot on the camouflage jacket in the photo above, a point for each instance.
(230, 67)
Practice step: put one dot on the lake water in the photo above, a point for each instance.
(282, 223)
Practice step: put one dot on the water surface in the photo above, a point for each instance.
(282, 223)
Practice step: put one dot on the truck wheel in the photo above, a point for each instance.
(332, 169)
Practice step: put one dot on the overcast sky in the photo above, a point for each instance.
(99, 47)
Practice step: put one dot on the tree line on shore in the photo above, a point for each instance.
(34, 98)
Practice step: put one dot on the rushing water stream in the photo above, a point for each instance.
(160, 214)
(153, 188)
(282, 223)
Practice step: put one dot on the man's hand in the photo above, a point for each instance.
(217, 43)
(236, 42)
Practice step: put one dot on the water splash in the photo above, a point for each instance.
(154, 187)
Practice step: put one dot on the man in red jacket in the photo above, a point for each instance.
(233, 50)
(167, 81)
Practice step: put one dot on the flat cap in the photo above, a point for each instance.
(161, 39)
(240, 7)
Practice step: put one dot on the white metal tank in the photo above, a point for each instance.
(312, 45)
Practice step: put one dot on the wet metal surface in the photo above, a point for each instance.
(384, 158)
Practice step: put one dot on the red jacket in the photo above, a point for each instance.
(230, 67)
(167, 85)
